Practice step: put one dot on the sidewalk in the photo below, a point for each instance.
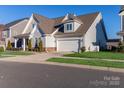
(40, 58)
(35, 58)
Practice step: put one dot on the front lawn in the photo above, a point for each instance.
(14, 53)
(101, 55)
(88, 62)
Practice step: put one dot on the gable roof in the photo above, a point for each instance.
(48, 25)
(2, 27)
(122, 9)
(14, 23)
(87, 20)
(72, 17)
(44, 24)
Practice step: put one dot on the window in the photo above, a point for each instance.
(33, 25)
(69, 27)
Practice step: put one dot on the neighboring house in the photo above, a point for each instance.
(13, 28)
(121, 32)
(62, 34)
(2, 27)
(112, 43)
(2, 43)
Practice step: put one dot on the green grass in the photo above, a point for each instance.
(101, 55)
(100, 63)
(13, 53)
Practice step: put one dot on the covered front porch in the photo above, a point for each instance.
(21, 41)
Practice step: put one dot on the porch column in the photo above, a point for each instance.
(23, 44)
(15, 44)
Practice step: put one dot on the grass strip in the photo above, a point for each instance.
(100, 63)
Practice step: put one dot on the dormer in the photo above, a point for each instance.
(71, 23)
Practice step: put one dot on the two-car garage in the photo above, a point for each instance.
(68, 45)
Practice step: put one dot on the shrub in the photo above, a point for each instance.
(40, 45)
(120, 47)
(114, 49)
(29, 45)
(83, 49)
(9, 46)
(1, 49)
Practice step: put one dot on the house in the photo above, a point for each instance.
(2, 27)
(112, 44)
(67, 33)
(13, 28)
(121, 32)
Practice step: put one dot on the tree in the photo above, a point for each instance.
(120, 47)
(9, 46)
(29, 45)
(40, 45)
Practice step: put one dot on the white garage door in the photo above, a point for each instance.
(68, 46)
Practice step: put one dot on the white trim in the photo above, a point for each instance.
(55, 31)
(32, 32)
(29, 22)
(65, 27)
(121, 22)
(10, 33)
(15, 43)
(69, 38)
(23, 44)
(122, 13)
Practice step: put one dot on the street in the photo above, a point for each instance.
(30, 75)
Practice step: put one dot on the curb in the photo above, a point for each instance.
(86, 67)
(72, 65)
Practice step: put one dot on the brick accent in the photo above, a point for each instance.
(50, 49)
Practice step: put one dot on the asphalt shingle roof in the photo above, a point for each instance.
(48, 25)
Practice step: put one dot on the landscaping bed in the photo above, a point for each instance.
(101, 63)
(100, 55)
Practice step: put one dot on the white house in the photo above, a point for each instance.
(67, 33)
(121, 32)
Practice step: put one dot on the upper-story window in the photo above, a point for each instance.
(33, 25)
(68, 27)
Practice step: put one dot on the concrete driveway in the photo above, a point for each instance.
(35, 58)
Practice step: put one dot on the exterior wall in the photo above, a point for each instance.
(112, 44)
(95, 34)
(76, 26)
(50, 41)
(0, 35)
(122, 24)
(14, 30)
(37, 35)
(18, 28)
(29, 26)
(5, 34)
